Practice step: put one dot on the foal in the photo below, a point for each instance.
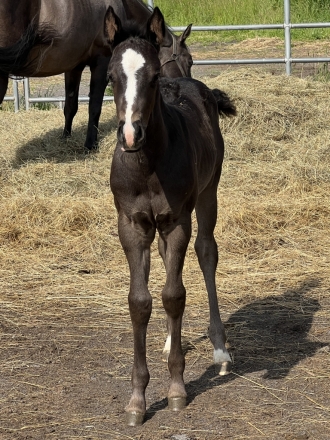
(167, 162)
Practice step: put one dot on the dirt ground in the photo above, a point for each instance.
(66, 342)
(262, 48)
(67, 378)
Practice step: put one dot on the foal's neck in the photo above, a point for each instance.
(156, 132)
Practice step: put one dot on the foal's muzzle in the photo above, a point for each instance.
(138, 137)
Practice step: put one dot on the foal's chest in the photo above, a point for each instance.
(158, 194)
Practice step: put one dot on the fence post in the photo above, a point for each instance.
(27, 93)
(287, 36)
(16, 95)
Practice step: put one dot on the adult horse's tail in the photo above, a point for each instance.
(226, 107)
(14, 59)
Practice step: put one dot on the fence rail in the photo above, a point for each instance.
(287, 58)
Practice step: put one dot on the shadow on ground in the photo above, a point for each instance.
(52, 146)
(269, 336)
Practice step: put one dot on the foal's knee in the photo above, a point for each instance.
(140, 307)
(174, 299)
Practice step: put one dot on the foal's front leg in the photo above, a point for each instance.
(174, 298)
(136, 236)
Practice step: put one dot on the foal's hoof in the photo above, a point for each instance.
(134, 418)
(225, 368)
(223, 360)
(177, 403)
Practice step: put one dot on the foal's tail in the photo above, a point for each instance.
(226, 107)
(14, 59)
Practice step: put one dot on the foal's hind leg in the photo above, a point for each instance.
(207, 252)
(72, 83)
(162, 245)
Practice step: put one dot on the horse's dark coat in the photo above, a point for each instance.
(172, 166)
(47, 37)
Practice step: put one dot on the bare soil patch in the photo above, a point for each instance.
(263, 48)
(66, 341)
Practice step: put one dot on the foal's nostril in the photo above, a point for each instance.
(130, 135)
(120, 132)
(139, 131)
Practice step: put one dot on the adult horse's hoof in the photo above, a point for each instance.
(92, 150)
(91, 146)
(66, 134)
(134, 418)
(177, 403)
(225, 368)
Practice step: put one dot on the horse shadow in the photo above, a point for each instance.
(268, 336)
(53, 147)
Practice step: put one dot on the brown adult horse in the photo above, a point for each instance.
(41, 38)
(167, 162)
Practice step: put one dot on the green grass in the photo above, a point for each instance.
(109, 90)
(323, 73)
(235, 12)
(45, 105)
(7, 106)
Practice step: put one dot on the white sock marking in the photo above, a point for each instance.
(221, 356)
(132, 61)
(167, 347)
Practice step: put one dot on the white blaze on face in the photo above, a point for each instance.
(132, 61)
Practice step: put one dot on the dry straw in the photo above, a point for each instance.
(273, 222)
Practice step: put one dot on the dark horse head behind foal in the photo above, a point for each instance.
(171, 128)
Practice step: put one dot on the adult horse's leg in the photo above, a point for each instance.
(207, 252)
(72, 83)
(3, 86)
(174, 298)
(98, 84)
(136, 243)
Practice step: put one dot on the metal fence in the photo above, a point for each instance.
(287, 59)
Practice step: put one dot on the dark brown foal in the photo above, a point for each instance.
(167, 162)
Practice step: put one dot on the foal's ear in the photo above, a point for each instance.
(112, 27)
(185, 34)
(156, 28)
